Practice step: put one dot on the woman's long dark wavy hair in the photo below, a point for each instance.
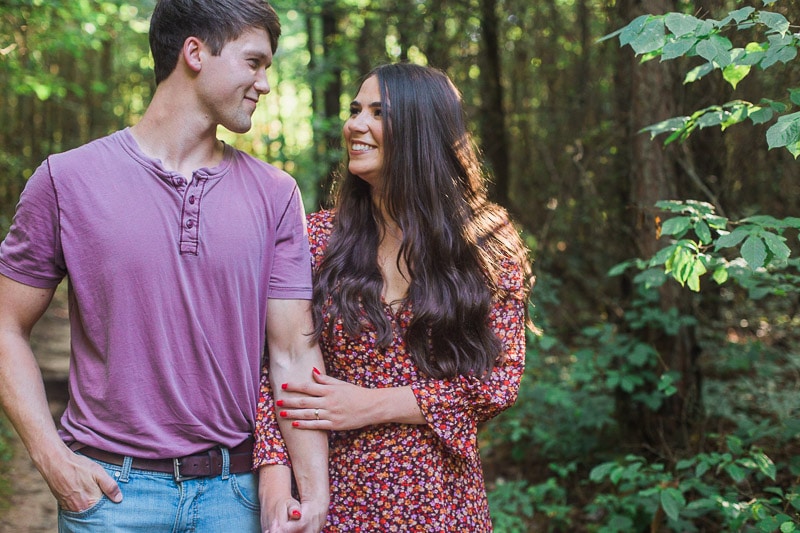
(454, 240)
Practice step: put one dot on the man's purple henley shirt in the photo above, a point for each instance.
(168, 289)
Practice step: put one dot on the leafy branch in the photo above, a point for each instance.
(675, 35)
(698, 237)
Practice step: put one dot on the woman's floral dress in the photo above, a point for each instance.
(398, 477)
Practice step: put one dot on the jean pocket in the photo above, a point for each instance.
(245, 488)
(86, 513)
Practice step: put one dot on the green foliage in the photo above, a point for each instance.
(700, 239)
(676, 35)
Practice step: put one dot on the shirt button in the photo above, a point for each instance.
(191, 199)
(190, 223)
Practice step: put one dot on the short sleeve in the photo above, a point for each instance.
(31, 252)
(291, 272)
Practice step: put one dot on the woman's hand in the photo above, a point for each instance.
(332, 404)
(327, 403)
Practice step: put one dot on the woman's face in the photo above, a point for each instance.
(363, 133)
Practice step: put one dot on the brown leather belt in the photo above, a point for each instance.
(208, 463)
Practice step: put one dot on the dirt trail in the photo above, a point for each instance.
(32, 508)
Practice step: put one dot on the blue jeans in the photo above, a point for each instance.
(154, 502)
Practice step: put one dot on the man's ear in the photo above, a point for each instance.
(192, 51)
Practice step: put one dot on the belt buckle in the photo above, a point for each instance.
(176, 466)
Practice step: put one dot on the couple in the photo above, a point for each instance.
(188, 261)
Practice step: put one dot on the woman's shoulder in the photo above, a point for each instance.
(320, 221)
(320, 227)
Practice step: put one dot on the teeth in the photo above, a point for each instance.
(358, 147)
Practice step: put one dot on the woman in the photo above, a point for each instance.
(419, 304)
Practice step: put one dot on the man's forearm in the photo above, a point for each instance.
(308, 450)
(25, 403)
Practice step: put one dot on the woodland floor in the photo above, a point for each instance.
(32, 508)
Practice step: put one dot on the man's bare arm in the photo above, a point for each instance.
(292, 358)
(76, 482)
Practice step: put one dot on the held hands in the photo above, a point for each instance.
(291, 516)
(326, 404)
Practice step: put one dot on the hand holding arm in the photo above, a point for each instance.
(329, 403)
(76, 482)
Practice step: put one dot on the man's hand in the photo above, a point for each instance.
(79, 483)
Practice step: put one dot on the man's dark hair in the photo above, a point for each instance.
(215, 22)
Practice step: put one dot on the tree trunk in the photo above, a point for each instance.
(648, 95)
(492, 120)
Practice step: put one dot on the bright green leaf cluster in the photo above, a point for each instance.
(699, 235)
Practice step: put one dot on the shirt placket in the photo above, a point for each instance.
(192, 195)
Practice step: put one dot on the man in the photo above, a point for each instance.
(181, 253)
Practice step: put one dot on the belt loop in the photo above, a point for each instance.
(226, 463)
(126, 469)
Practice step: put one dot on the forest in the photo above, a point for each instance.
(647, 150)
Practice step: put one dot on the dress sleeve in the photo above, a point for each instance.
(270, 448)
(454, 407)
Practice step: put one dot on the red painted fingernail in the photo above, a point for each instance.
(295, 424)
(285, 386)
(279, 403)
(316, 371)
(283, 413)
(296, 513)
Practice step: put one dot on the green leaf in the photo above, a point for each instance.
(651, 38)
(632, 30)
(740, 15)
(677, 47)
(672, 501)
(754, 251)
(765, 465)
(676, 225)
(794, 95)
(780, 49)
(681, 24)
(720, 275)
(672, 124)
(776, 22)
(600, 472)
(776, 245)
(785, 132)
(760, 115)
(733, 73)
(737, 473)
(698, 72)
(714, 51)
(731, 239)
(693, 277)
(703, 232)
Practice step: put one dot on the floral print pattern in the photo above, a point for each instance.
(398, 477)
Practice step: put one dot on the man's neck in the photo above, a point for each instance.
(173, 131)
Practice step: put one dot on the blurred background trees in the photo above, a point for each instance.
(646, 406)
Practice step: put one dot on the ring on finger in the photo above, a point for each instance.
(316, 413)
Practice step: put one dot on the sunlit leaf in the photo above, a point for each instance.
(733, 73)
(698, 72)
